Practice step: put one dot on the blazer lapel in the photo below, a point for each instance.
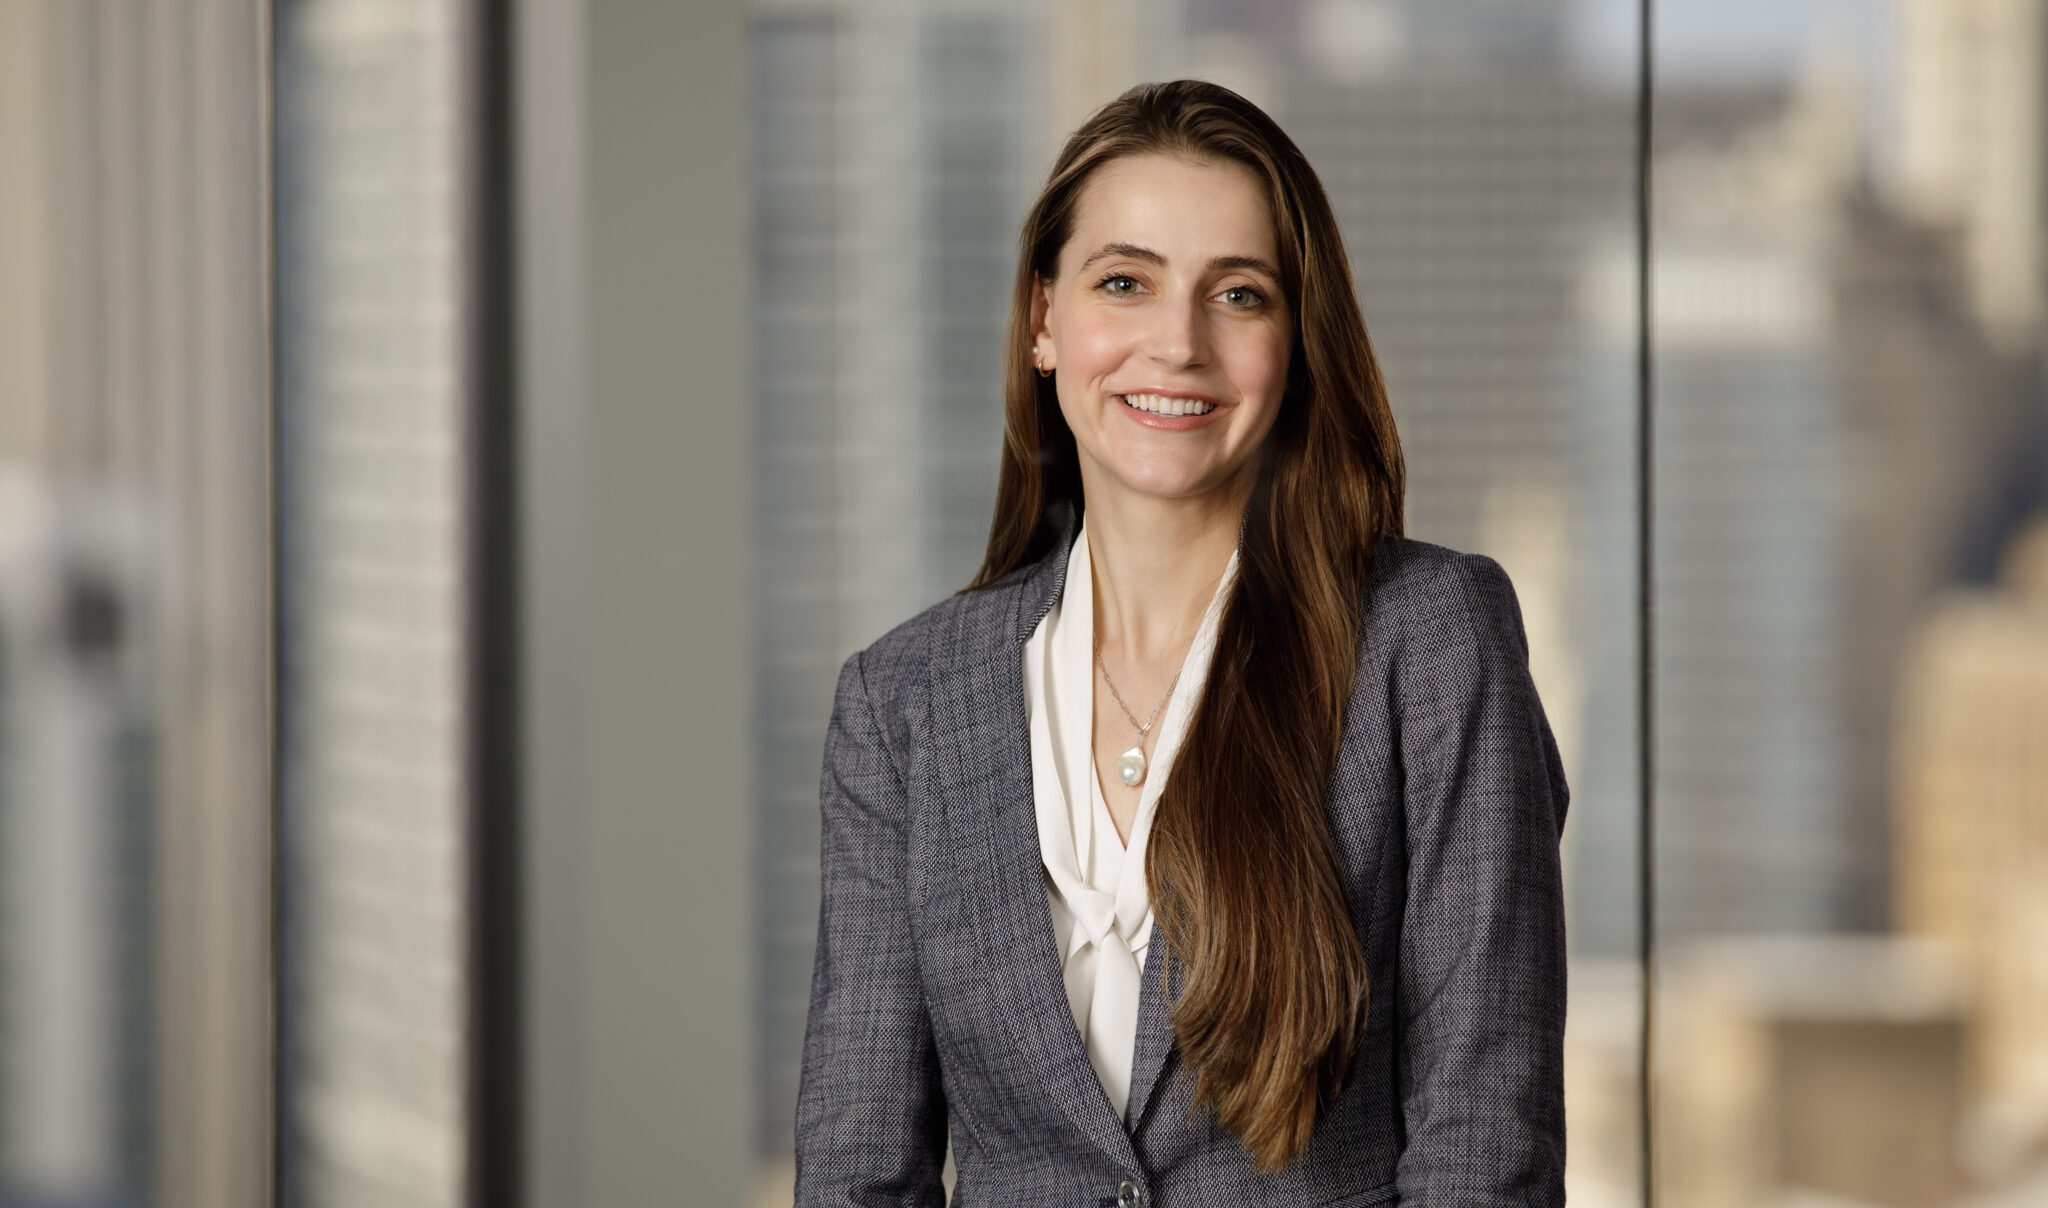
(1155, 1036)
(979, 710)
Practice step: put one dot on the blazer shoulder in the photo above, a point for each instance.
(1411, 575)
(896, 667)
(1434, 598)
(1401, 563)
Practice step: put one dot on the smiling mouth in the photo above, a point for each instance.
(1159, 404)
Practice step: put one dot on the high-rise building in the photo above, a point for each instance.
(1751, 470)
(373, 662)
(895, 146)
(1972, 824)
(1973, 141)
(1826, 411)
(1470, 201)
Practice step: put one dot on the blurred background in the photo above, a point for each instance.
(447, 448)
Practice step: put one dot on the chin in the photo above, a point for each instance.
(1166, 485)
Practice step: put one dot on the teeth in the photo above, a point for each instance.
(1161, 405)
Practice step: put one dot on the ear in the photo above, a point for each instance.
(1041, 311)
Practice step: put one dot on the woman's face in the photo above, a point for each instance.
(1170, 284)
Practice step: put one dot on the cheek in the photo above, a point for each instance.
(1097, 342)
(1259, 371)
(1260, 364)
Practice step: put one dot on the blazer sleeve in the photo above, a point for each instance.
(1480, 984)
(870, 1114)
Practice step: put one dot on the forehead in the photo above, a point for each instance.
(1188, 211)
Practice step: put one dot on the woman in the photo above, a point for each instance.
(1204, 849)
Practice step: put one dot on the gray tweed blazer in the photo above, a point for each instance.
(937, 1005)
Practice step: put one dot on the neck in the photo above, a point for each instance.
(1156, 564)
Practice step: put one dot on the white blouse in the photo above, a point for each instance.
(1101, 911)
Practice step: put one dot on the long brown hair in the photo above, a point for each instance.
(1242, 871)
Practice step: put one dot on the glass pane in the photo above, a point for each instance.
(1852, 625)
(1480, 156)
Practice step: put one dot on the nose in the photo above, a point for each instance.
(1179, 334)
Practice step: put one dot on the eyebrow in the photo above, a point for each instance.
(1135, 252)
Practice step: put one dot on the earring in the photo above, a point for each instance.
(1038, 361)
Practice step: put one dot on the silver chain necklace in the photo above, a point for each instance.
(1130, 766)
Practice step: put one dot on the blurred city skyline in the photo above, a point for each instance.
(299, 291)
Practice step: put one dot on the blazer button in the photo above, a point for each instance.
(1127, 1194)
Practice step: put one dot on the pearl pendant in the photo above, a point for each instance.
(1130, 766)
